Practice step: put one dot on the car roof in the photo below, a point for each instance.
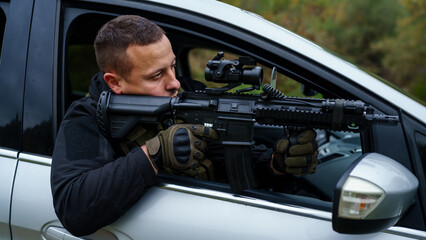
(256, 24)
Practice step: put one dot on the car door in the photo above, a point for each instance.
(13, 51)
(8, 150)
(31, 203)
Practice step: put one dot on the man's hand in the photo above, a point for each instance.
(296, 156)
(179, 147)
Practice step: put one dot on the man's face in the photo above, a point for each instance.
(153, 71)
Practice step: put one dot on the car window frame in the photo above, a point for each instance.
(4, 6)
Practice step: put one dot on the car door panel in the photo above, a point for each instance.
(32, 203)
(177, 212)
(8, 160)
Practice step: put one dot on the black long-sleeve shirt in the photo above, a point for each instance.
(92, 183)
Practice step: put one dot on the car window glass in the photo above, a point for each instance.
(9, 123)
(79, 56)
(79, 77)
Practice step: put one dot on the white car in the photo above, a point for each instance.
(369, 184)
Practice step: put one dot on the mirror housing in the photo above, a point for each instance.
(372, 195)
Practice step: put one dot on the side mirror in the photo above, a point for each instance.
(372, 195)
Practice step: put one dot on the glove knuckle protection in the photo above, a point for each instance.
(199, 144)
(181, 145)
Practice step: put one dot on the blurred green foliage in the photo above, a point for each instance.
(81, 66)
(198, 57)
(386, 37)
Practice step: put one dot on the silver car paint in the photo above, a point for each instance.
(32, 202)
(205, 214)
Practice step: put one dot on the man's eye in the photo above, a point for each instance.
(158, 75)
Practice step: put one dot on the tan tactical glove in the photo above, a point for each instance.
(179, 147)
(296, 156)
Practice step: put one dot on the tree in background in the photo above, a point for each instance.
(405, 56)
(383, 36)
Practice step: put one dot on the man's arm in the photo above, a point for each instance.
(91, 186)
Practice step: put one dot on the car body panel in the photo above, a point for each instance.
(32, 203)
(240, 218)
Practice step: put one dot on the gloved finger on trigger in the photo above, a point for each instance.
(303, 149)
(202, 131)
(301, 161)
(210, 133)
(281, 146)
(306, 136)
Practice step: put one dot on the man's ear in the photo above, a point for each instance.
(114, 82)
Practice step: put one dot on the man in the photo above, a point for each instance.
(94, 182)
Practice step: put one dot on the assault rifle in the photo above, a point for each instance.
(233, 115)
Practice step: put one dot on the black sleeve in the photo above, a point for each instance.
(91, 186)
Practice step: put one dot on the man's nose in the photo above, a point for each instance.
(172, 82)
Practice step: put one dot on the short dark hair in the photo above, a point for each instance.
(117, 35)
